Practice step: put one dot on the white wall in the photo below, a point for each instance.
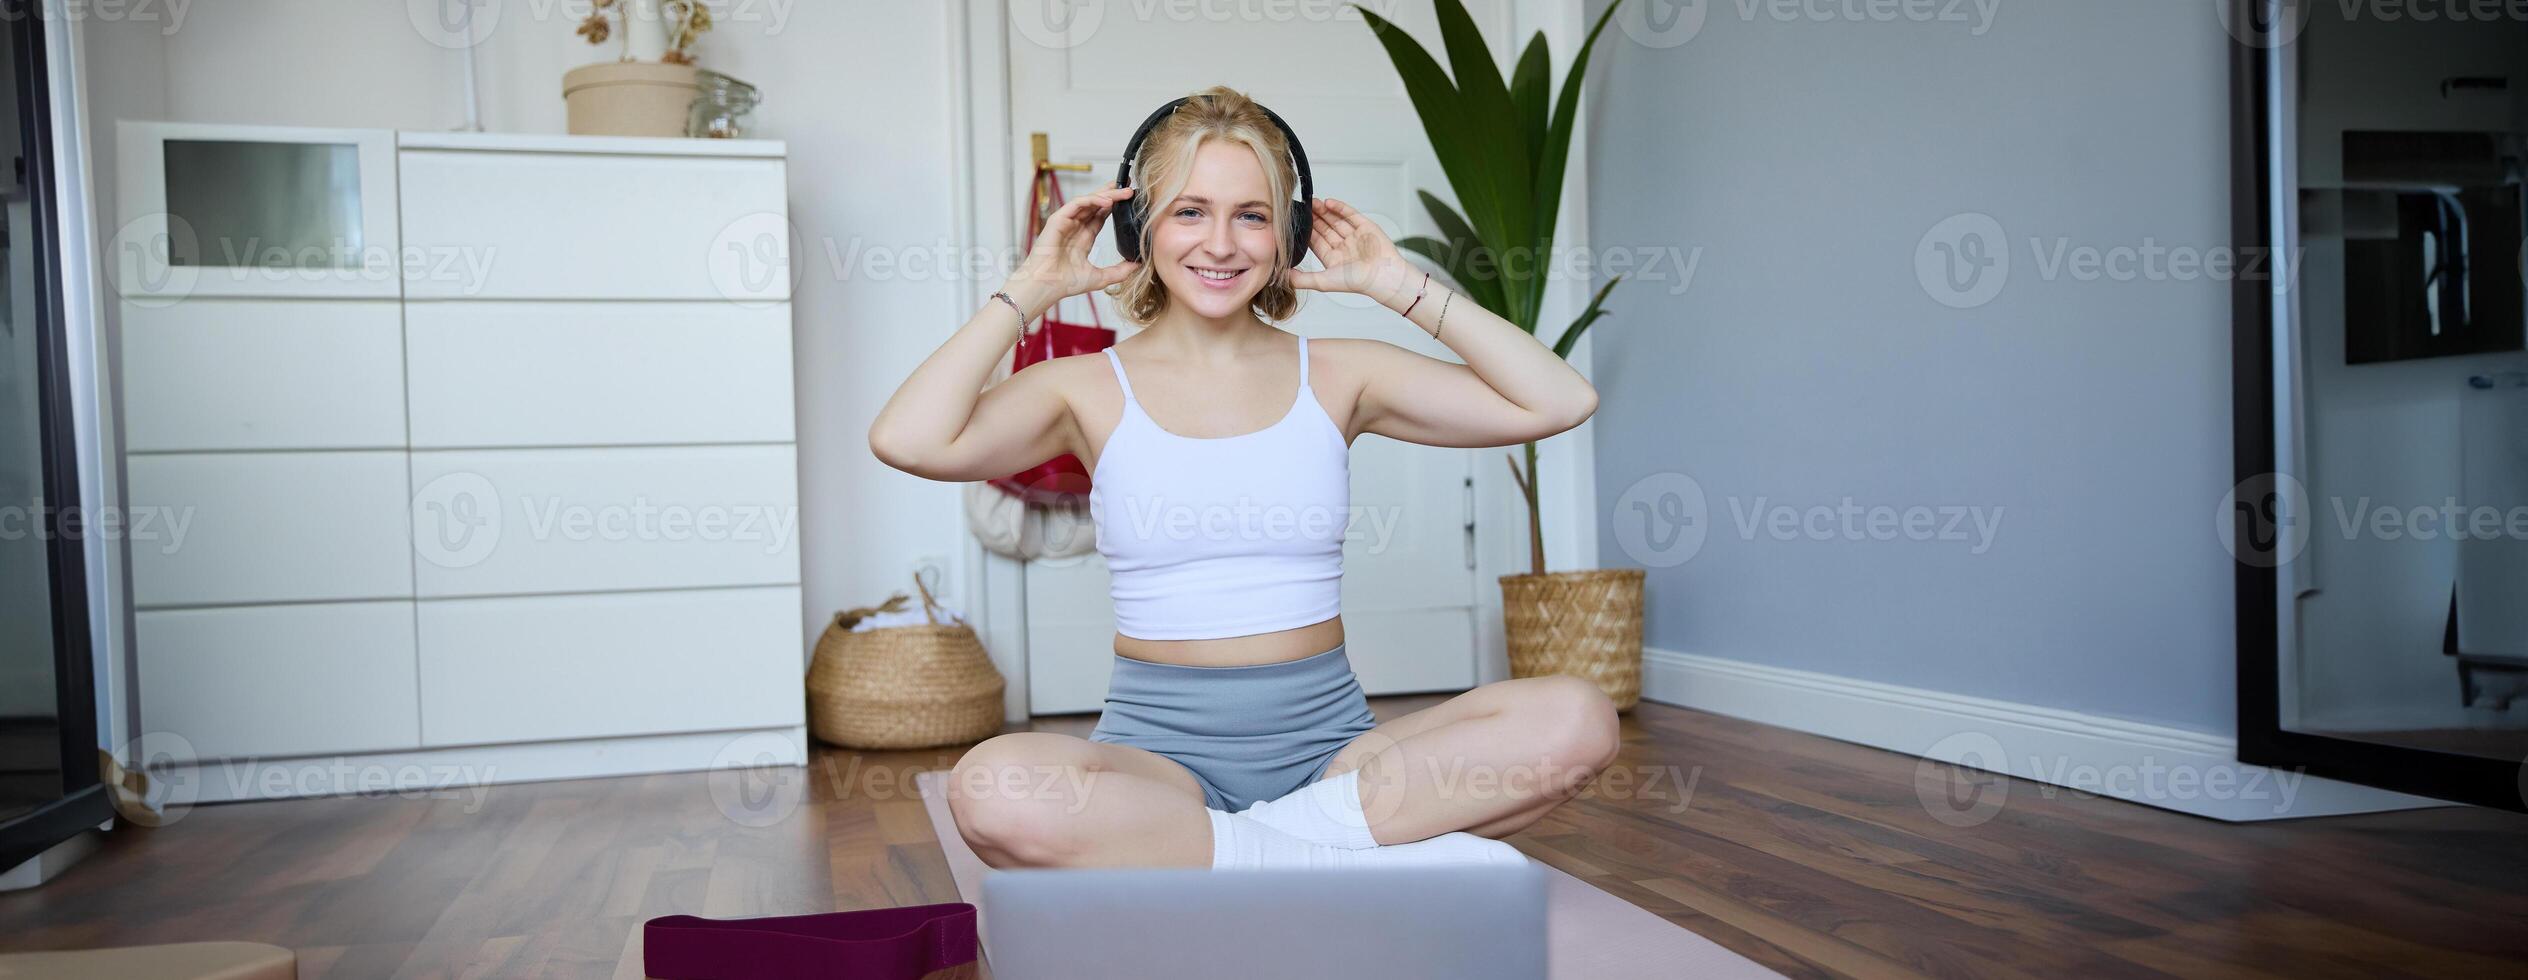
(856, 87)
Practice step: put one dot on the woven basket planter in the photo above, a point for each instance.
(902, 687)
(1586, 624)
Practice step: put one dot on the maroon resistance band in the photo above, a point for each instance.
(869, 944)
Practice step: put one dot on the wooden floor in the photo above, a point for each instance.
(1814, 857)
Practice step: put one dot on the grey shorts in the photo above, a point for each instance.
(1249, 733)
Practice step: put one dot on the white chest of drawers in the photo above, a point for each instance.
(490, 475)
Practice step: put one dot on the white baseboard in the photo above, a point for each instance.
(2170, 768)
(464, 771)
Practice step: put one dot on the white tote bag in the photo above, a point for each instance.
(1016, 529)
(1009, 526)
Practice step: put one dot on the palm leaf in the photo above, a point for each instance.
(1498, 150)
(1444, 116)
(1478, 272)
(1530, 85)
(1505, 158)
(1597, 308)
(1558, 139)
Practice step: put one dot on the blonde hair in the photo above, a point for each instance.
(1159, 173)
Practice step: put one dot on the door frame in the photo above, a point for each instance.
(2264, 186)
(985, 223)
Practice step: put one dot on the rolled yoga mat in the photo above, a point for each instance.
(1593, 935)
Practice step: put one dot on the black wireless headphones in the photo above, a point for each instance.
(1128, 216)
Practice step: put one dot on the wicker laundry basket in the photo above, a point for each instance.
(902, 687)
(1585, 623)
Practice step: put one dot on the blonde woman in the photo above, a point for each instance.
(1235, 734)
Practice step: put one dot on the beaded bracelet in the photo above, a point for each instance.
(1417, 296)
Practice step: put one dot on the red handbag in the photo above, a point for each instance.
(1061, 481)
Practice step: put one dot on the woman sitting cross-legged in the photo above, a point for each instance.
(1235, 734)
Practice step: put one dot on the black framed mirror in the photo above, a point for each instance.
(2380, 519)
(49, 784)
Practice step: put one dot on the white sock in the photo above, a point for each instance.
(1240, 842)
(1327, 812)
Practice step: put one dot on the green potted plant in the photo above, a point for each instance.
(1503, 149)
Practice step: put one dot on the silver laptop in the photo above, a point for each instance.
(1473, 922)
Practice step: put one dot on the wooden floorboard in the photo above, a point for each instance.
(1814, 857)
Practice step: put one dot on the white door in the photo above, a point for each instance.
(1086, 74)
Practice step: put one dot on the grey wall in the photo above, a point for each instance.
(1808, 362)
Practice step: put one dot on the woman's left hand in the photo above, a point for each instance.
(1356, 254)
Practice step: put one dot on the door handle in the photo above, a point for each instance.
(1037, 151)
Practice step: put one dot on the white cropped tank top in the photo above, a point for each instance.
(1209, 538)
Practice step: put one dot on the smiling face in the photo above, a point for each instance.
(1214, 245)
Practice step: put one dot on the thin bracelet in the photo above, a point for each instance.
(1417, 296)
(1443, 320)
(1013, 307)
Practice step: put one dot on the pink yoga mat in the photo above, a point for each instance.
(1593, 935)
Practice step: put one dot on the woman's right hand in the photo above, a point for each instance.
(1057, 265)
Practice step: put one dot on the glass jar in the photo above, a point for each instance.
(723, 108)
